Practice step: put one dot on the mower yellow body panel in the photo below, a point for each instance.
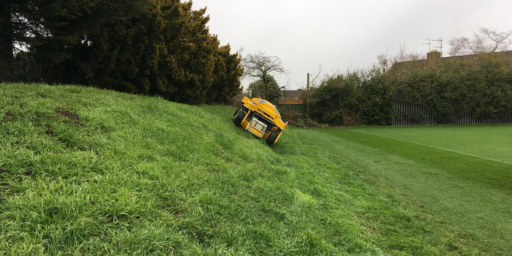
(261, 118)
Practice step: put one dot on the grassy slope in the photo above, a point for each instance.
(123, 174)
(468, 190)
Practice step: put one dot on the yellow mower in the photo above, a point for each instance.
(260, 118)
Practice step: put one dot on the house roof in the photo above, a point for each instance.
(432, 56)
(291, 94)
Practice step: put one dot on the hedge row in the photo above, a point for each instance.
(479, 84)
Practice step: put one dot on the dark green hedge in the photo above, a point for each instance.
(353, 98)
(479, 84)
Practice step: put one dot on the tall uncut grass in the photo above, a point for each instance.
(88, 171)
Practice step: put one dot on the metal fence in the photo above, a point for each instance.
(406, 113)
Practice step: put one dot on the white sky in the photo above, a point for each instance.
(345, 34)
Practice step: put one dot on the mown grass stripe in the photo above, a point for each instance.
(489, 173)
(420, 144)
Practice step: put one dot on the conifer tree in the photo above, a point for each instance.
(228, 71)
(9, 11)
(193, 52)
(152, 47)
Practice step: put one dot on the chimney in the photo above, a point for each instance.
(433, 55)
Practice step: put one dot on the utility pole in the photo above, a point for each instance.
(307, 99)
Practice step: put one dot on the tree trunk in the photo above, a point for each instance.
(264, 88)
(6, 44)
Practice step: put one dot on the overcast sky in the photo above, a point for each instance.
(345, 34)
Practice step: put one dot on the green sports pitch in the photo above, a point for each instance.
(462, 173)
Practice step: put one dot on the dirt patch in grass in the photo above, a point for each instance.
(176, 213)
(72, 116)
(8, 116)
(28, 173)
(2, 171)
(49, 132)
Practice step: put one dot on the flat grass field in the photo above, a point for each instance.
(461, 173)
(95, 172)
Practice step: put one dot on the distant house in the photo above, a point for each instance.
(286, 94)
(434, 56)
(291, 94)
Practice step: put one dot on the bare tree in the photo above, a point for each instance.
(259, 65)
(404, 59)
(485, 40)
(286, 85)
(385, 62)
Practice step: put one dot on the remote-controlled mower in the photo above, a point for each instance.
(261, 118)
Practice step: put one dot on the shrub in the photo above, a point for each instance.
(309, 123)
(291, 116)
(360, 97)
